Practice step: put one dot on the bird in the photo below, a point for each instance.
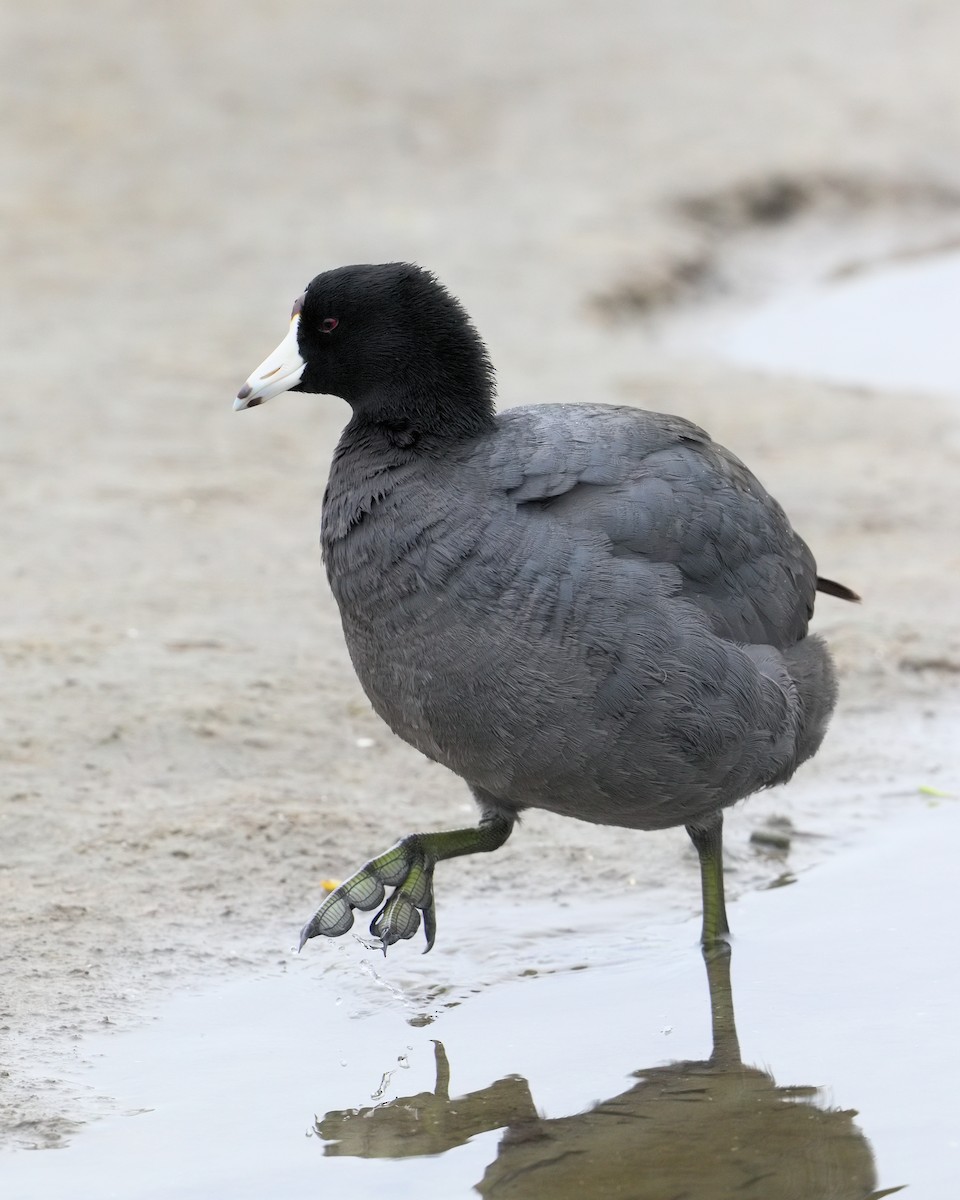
(587, 608)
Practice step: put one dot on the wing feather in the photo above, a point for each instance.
(658, 490)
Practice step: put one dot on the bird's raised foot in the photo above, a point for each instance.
(408, 868)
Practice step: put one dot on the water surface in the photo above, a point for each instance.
(895, 326)
(348, 1074)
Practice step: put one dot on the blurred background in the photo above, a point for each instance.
(186, 750)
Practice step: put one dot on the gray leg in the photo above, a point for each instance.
(408, 868)
(707, 836)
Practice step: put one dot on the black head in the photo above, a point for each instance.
(391, 341)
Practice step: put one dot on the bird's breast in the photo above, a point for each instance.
(389, 553)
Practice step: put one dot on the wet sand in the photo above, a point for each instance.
(185, 749)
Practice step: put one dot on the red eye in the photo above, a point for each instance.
(329, 324)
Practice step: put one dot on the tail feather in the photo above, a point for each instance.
(831, 588)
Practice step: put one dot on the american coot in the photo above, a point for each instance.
(586, 608)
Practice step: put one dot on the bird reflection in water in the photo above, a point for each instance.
(711, 1129)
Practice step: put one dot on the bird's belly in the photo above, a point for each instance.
(642, 719)
(528, 731)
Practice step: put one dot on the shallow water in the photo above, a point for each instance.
(350, 1074)
(894, 326)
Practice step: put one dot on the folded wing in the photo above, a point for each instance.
(657, 489)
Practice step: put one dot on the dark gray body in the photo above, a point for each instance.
(592, 610)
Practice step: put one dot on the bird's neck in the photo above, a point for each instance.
(419, 421)
(430, 399)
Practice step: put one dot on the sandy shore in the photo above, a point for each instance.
(186, 752)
